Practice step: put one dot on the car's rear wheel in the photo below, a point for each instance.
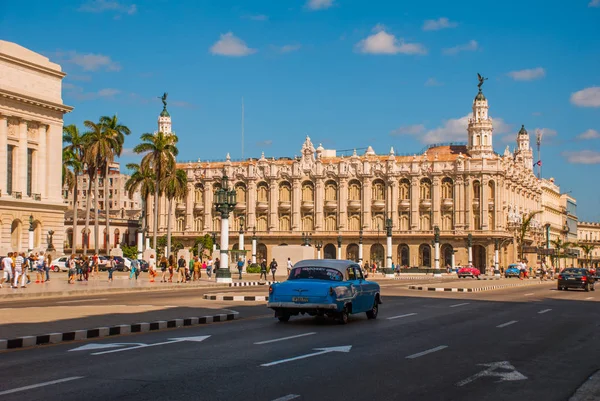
(587, 287)
(372, 314)
(284, 318)
(55, 269)
(343, 318)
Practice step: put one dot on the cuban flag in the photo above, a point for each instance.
(538, 163)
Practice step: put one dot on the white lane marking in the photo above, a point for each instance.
(171, 341)
(544, 311)
(531, 293)
(16, 390)
(429, 351)
(457, 305)
(590, 298)
(285, 338)
(507, 324)
(287, 397)
(81, 300)
(401, 316)
(320, 351)
(491, 371)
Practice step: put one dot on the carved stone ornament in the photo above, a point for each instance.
(32, 130)
(13, 127)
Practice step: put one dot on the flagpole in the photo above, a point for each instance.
(539, 133)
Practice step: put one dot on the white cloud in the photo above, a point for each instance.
(589, 134)
(232, 46)
(128, 152)
(546, 132)
(437, 24)
(414, 129)
(588, 97)
(288, 48)
(471, 46)
(582, 157)
(382, 42)
(256, 17)
(319, 4)
(99, 6)
(594, 3)
(78, 93)
(108, 92)
(266, 143)
(455, 130)
(528, 74)
(87, 61)
(433, 82)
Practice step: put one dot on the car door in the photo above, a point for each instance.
(354, 289)
(366, 291)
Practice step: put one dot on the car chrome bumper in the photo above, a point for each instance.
(294, 305)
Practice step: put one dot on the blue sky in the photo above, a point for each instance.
(349, 73)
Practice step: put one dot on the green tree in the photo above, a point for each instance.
(142, 179)
(74, 152)
(524, 228)
(587, 250)
(202, 244)
(116, 131)
(160, 151)
(559, 245)
(174, 186)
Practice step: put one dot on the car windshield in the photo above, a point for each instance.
(574, 271)
(317, 273)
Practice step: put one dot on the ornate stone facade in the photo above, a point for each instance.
(462, 189)
(31, 122)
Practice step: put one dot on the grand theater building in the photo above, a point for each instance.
(344, 200)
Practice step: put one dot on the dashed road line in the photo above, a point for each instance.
(82, 300)
(544, 311)
(429, 351)
(401, 316)
(457, 305)
(507, 324)
(287, 397)
(31, 387)
(284, 338)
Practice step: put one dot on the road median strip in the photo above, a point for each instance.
(241, 298)
(475, 289)
(100, 332)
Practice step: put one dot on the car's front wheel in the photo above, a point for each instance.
(587, 287)
(343, 318)
(372, 314)
(284, 318)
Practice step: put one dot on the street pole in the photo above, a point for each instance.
(241, 243)
(496, 257)
(31, 233)
(436, 244)
(339, 250)
(470, 247)
(388, 251)
(254, 245)
(140, 244)
(224, 201)
(360, 247)
(319, 245)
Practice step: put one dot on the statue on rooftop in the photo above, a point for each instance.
(481, 79)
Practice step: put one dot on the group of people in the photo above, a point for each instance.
(16, 267)
(186, 271)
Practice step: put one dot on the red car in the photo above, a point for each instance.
(468, 272)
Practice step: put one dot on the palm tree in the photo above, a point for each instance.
(74, 147)
(160, 151)
(70, 164)
(114, 129)
(143, 180)
(174, 186)
(560, 245)
(99, 143)
(587, 250)
(524, 228)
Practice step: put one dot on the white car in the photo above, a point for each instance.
(59, 264)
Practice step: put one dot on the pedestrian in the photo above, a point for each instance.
(164, 264)
(263, 270)
(181, 278)
(240, 267)
(273, 267)
(18, 271)
(135, 268)
(198, 266)
(289, 266)
(216, 266)
(85, 267)
(72, 266)
(47, 264)
(152, 268)
(39, 264)
(171, 267)
(132, 270)
(7, 266)
(95, 264)
(191, 269)
(111, 266)
(79, 268)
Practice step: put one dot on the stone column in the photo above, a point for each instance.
(253, 249)
(415, 196)
(241, 248)
(224, 248)
(208, 206)
(296, 204)
(468, 203)
(319, 203)
(140, 244)
(54, 162)
(436, 201)
(42, 179)
(393, 202)
(273, 205)
(483, 207)
(251, 204)
(22, 159)
(343, 204)
(189, 208)
(3, 153)
(457, 206)
(366, 203)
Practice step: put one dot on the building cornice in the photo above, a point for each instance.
(35, 101)
(34, 66)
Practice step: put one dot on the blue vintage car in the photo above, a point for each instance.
(333, 288)
(512, 271)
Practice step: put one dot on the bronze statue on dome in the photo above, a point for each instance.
(481, 79)
(164, 99)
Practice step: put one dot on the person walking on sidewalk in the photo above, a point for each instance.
(72, 266)
(289, 266)
(39, 267)
(263, 269)
(198, 266)
(7, 267)
(172, 265)
(47, 264)
(181, 269)
(110, 266)
(217, 266)
(209, 267)
(85, 267)
(240, 267)
(135, 268)
(19, 274)
(273, 267)
(152, 268)
(164, 264)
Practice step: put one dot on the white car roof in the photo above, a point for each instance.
(340, 265)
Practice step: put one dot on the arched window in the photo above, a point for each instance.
(329, 251)
(447, 188)
(376, 254)
(198, 223)
(404, 221)
(261, 252)
(15, 235)
(425, 189)
(307, 192)
(216, 224)
(262, 192)
(331, 222)
(446, 252)
(354, 191)
(261, 223)
(404, 189)
(476, 190)
(284, 223)
(85, 238)
(476, 222)
(198, 194)
(354, 222)
(69, 238)
(240, 191)
(378, 190)
(424, 255)
(180, 223)
(447, 222)
(378, 223)
(330, 191)
(425, 222)
(117, 236)
(307, 223)
(403, 255)
(492, 191)
(352, 252)
(285, 192)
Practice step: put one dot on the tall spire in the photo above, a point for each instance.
(164, 119)
(480, 128)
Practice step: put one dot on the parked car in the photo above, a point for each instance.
(59, 264)
(123, 264)
(144, 265)
(332, 288)
(576, 278)
(512, 271)
(468, 272)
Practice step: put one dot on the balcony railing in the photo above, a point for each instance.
(17, 195)
(285, 205)
(36, 197)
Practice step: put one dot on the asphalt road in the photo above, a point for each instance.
(528, 343)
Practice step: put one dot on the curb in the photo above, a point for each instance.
(478, 289)
(100, 332)
(244, 298)
(589, 390)
(252, 283)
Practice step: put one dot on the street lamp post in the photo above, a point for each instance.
(30, 233)
(339, 244)
(318, 245)
(496, 257)
(306, 239)
(241, 241)
(140, 239)
(360, 247)
(214, 239)
(470, 248)
(225, 201)
(436, 244)
(388, 250)
(254, 245)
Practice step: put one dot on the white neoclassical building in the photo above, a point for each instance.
(31, 123)
(343, 200)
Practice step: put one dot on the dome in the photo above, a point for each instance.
(523, 131)
(480, 96)
(165, 113)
